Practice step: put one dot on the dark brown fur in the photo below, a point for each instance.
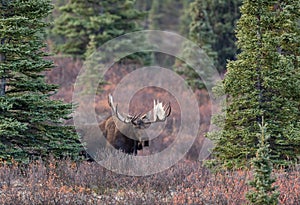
(117, 139)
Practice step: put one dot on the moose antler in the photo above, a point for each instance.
(126, 119)
(159, 113)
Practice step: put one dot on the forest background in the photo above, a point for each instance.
(76, 30)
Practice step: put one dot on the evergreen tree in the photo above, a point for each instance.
(50, 36)
(263, 81)
(144, 6)
(165, 15)
(155, 15)
(263, 193)
(185, 18)
(81, 21)
(212, 25)
(30, 122)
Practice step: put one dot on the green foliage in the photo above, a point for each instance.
(81, 22)
(185, 18)
(263, 81)
(143, 5)
(201, 30)
(165, 15)
(30, 122)
(211, 27)
(263, 193)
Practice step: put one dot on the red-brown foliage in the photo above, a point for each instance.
(66, 182)
(65, 74)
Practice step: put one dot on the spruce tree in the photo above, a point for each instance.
(211, 27)
(185, 18)
(263, 192)
(263, 81)
(82, 21)
(165, 15)
(30, 122)
(143, 5)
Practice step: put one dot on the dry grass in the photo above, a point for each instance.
(66, 182)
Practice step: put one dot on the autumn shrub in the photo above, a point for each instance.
(187, 182)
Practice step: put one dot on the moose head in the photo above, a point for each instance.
(122, 131)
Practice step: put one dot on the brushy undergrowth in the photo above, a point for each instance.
(66, 182)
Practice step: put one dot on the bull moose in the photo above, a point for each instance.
(122, 131)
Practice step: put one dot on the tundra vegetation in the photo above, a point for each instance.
(254, 160)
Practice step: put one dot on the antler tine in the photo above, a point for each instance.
(168, 110)
(111, 103)
(120, 117)
(167, 113)
(160, 112)
(135, 117)
(115, 111)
